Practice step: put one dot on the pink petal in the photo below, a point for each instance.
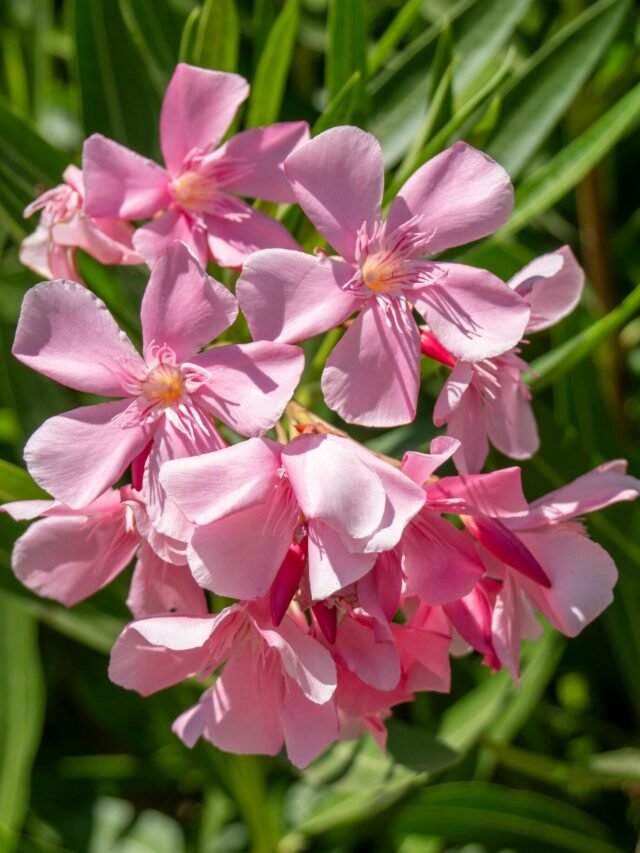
(261, 152)
(511, 424)
(214, 485)
(77, 455)
(502, 543)
(239, 555)
(160, 587)
(459, 195)
(68, 559)
(250, 384)
(34, 252)
(439, 561)
(472, 313)
(467, 425)
(376, 663)
(151, 654)
(173, 442)
(452, 393)
(404, 500)
(182, 306)
(513, 621)
(303, 659)
(119, 183)
(582, 578)
(154, 238)
(289, 296)
(198, 107)
(84, 233)
(605, 485)
(308, 728)
(67, 334)
(332, 483)
(287, 580)
(231, 241)
(420, 466)
(244, 710)
(372, 376)
(496, 494)
(338, 179)
(331, 565)
(552, 285)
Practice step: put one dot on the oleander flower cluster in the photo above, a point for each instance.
(309, 584)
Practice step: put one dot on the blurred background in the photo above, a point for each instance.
(551, 89)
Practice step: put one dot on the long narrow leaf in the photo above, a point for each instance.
(347, 43)
(217, 36)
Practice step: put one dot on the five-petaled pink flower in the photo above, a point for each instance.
(488, 400)
(196, 197)
(65, 227)
(372, 376)
(169, 395)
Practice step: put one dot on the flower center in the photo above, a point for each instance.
(194, 191)
(382, 273)
(163, 386)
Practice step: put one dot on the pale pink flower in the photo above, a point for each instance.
(69, 555)
(249, 501)
(65, 227)
(196, 197)
(167, 396)
(372, 376)
(277, 686)
(488, 400)
(540, 552)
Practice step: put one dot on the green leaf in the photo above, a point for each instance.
(188, 35)
(17, 485)
(28, 166)
(482, 813)
(341, 108)
(540, 95)
(118, 98)
(217, 36)
(347, 43)
(416, 749)
(481, 33)
(405, 18)
(547, 369)
(21, 713)
(155, 30)
(273, 67)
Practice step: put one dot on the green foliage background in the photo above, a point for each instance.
(551, 89)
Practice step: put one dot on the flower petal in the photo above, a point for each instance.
(472, 313)
(154, 238)
(78, 455)
(121, 184)
(332, 483)
(331, 565)
(452, 393)
(459, 195)
(160, 587)
(289, 296)
(552, 285)
(308, 728)
(372, 376)
(182, 306)
(197, 109)
(231, 241)
(250, 384)
(261, 153)
(68, 559)
(338, 178)
(67, 334)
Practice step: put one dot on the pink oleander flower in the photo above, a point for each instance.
(70, 554)
(65, 227)
(168, 396)
(539, 553)
(196, 197)
(249, 502)
(372, 376)
(277, 685)
(487, 400)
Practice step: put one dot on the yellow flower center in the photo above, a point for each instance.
(163, 385)
(381, 274)
(193, 191)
